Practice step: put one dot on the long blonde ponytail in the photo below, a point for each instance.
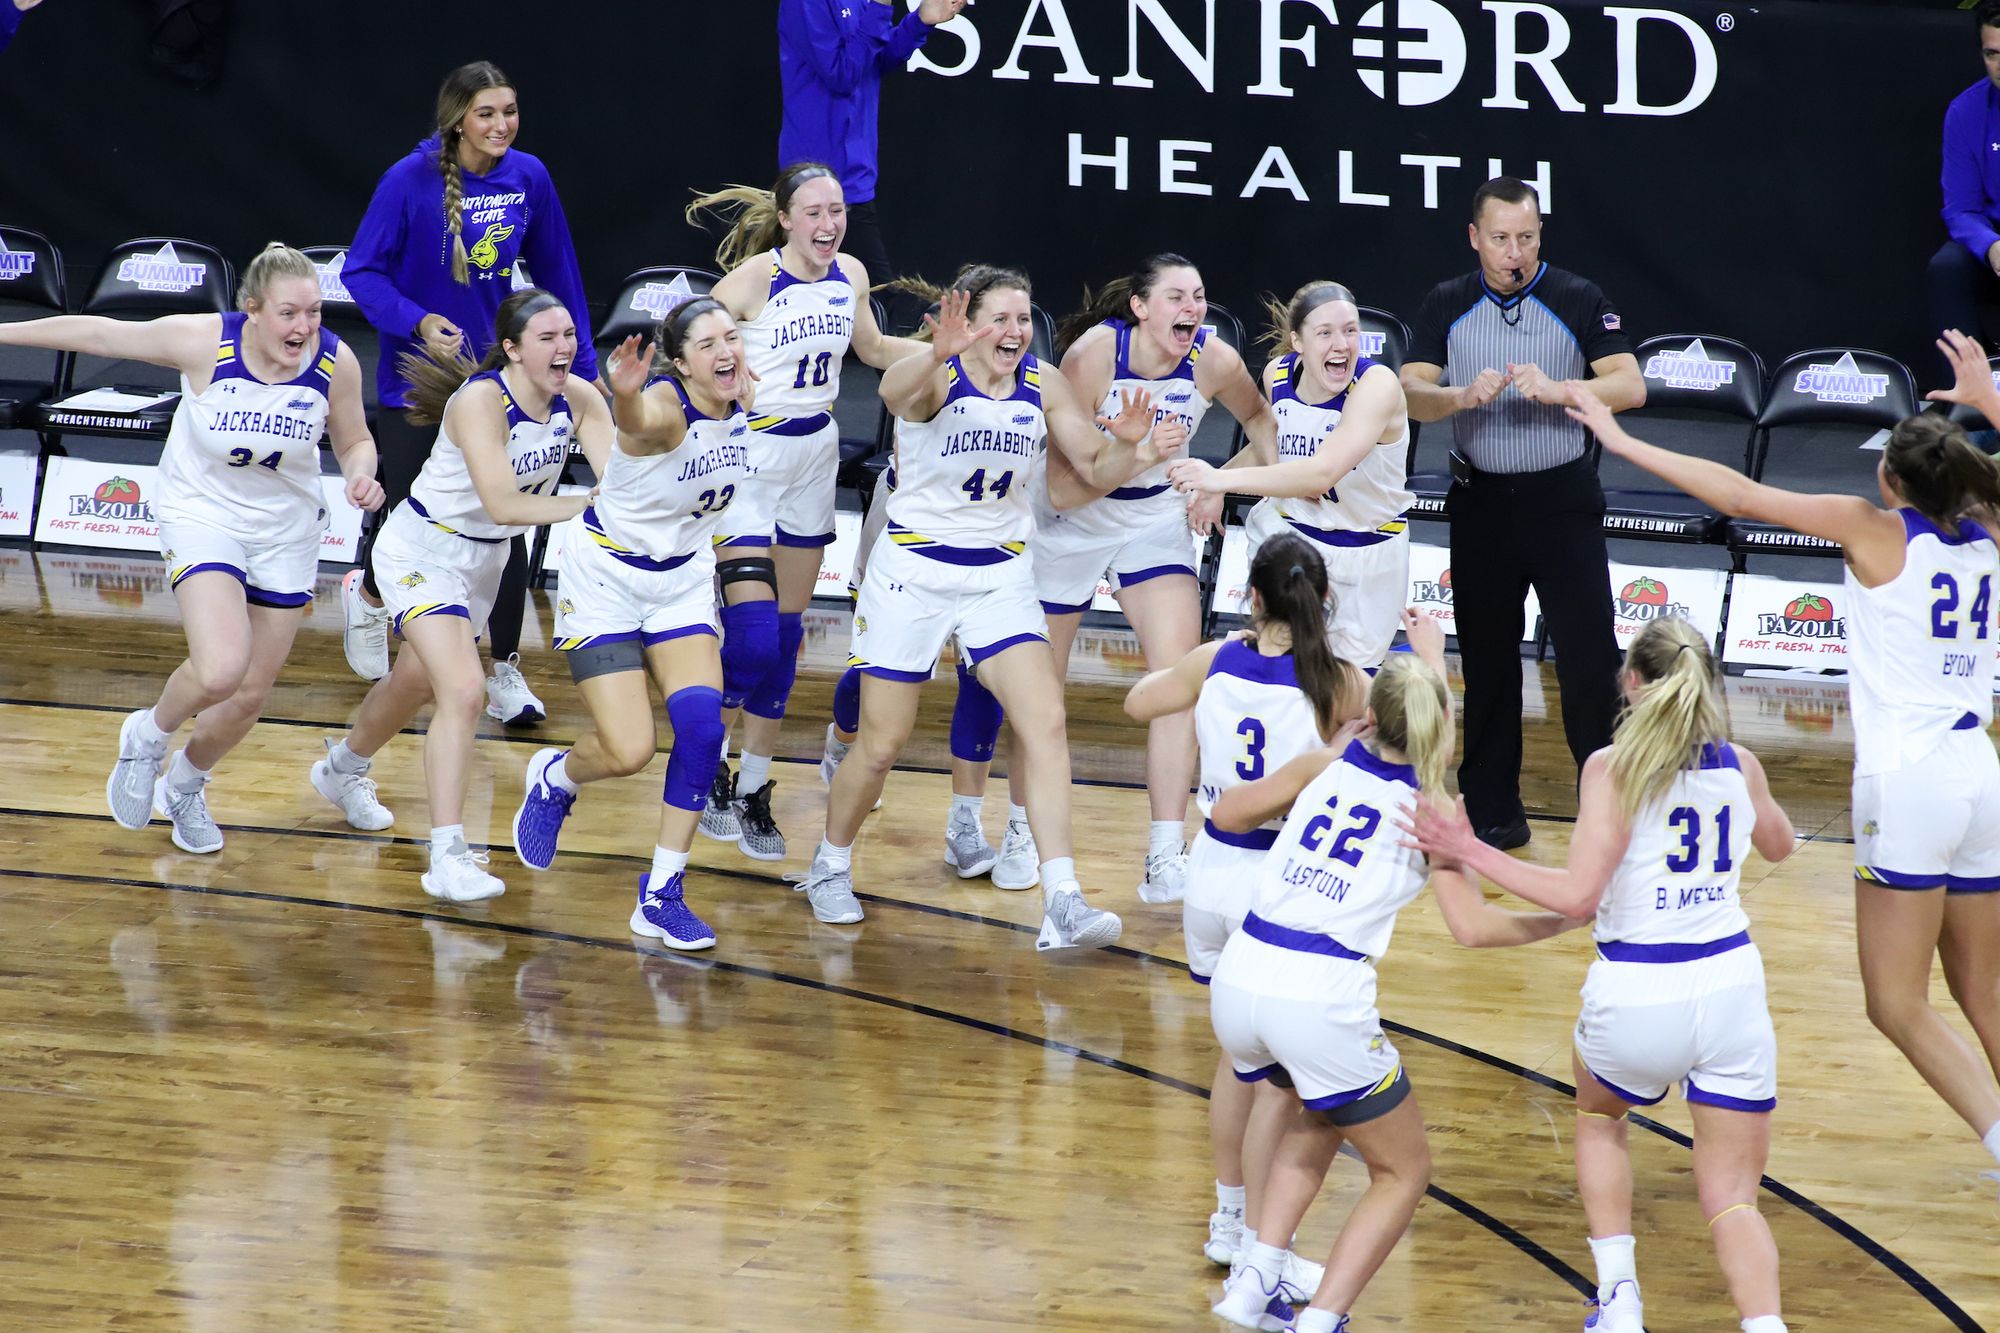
(1678, 710)
(1412, 708)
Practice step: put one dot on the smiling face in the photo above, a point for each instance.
(1328, 344)
(1172, 312)
(711, 359)
(545, 350)
(816, 222)
(285, 321)
(1008, 310)
(491, 122)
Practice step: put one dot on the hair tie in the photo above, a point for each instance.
(1296, 572)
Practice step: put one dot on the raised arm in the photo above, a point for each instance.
(914, 387)
(839, 55)
(649, 420)
(185, 343)
(347, 433)
(1174, 689)
(478, 422)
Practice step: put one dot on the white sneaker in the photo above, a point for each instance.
(1300, 1280)
(830, 756)
(1249, 1300)
(508, 697)
(459, 876)
(1225, 1235)
(354, 793)
(1068, 922)
(129, 789)
(1020, 865)
(1166, 877)
(966, 849)
(364, 634)
(831, 893)
(194, 829)
(1621, 1312)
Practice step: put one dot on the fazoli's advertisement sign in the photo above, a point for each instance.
(109, 506)
(1777, 622)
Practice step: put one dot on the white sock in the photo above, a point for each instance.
(1058, 872)
(1764, 1323)
(1616, 1262)
(1017, 814)
(666, 864)
(725, 747)
(1313, 1320)
(1249, 1239)
(443, 838)
(1228, 1198)
(343, 760)
(147, 732)
(834, 858)
(557, 775)
(1169, 836)
(184, 777)
(1992, 1140)
(1266, 1259)
(756, 767)
(964, 809)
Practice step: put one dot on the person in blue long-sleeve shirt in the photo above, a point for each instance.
(1965, 272)
(440, 247)
(831, 58)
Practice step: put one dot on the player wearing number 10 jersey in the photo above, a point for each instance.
(1920, 573)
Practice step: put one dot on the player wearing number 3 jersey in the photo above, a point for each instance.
(1920, 573)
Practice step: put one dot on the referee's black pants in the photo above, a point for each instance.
(1509, 532)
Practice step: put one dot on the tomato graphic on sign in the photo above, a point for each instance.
(117, 490)
(1809, 606)
(1644, 591)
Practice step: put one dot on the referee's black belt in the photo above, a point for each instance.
(1463, 473)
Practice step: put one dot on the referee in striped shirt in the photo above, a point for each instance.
(1493, 350)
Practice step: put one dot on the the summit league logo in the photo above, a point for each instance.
(15, 263)
(161, 271)
(1690, 368)
(331, 285)
(1807, 616)
(116, 500)
(660, 299)
(1841, 382)
(1645, 599)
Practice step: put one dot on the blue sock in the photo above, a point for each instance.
(975, 720)
(769, 696)
(696, 715)
(749, 648)
(847, 702)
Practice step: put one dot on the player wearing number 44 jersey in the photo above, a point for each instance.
(240, 511)
(1920, 573)
(1666, 815)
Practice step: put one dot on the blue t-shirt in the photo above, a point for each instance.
(1971, 175)
(831, 58)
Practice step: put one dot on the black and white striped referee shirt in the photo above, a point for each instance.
(1559, 322)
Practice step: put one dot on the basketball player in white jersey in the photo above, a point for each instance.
(1920, 574)
(1666, 814)
(801, 305)
(240, 511)
(1293, 996)
(1259, 700)
(975, 411)
(1343, 441)
(638, 600)
(505, 427)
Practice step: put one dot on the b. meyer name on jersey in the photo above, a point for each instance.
(720, 458)
(277, 425)
(814, 326)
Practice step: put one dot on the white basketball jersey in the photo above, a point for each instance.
(1250, 719)
(1339, 868)
(1920, 647)
(798, 339)
(1678, 881)
(443, 492)
(661, 507)
(962, 476)
(1174, 394)
(243, 455)
(1375, 496)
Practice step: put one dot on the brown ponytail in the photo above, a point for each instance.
(1938, 470)
(977, 279)
(455, 98)
(1289, 577)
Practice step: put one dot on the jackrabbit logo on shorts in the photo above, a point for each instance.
(1690, 367)
(15, 263)
(1841, 382)
(1807, 616)
(161, 271)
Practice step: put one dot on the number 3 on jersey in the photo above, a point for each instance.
(978, 488)
(242, 458)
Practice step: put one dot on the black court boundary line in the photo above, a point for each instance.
(1472, 1212)
(1871, 1248)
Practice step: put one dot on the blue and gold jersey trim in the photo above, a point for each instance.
(934, 549)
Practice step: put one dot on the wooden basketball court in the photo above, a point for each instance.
(279, 1087)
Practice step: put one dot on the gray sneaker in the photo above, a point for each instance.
(831, 893)
(966, 849)
(194, 829)
(1068, 922)
(718, 817)
(129, 790)
(1020, 865)
(759, 839)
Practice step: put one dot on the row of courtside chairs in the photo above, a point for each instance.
(1706, 394)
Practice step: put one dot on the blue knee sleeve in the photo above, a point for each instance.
(847, 701)
(696, 715)
(749, 648)
(769, 696)
(975, 720)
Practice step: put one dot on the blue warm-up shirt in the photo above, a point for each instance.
(399, 267)
(831, 57)
(1972, 168)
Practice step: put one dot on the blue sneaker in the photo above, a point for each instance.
(539, 821)
(664, 914)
